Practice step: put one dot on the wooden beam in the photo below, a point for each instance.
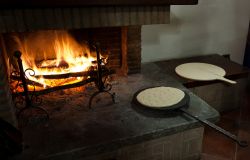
(79, 3)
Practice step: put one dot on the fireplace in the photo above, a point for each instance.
(116, 28)
(52, 54)
(112, 28)
(55, 60)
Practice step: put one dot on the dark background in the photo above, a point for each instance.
(247, 51)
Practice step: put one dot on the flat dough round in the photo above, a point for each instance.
(200, 71)
(159, 97)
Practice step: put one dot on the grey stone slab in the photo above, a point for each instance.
(108, 128)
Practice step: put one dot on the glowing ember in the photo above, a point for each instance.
(64, 55)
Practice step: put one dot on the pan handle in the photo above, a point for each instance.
(217, 128)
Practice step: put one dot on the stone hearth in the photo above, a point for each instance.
(118, 130)
(108, 131)
(69, 18)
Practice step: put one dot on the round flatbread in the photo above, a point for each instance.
(160, 97)
(200, 71)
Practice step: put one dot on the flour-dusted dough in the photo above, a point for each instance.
(160, 97)
(202, 72)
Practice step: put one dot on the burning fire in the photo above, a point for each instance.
(64, 55)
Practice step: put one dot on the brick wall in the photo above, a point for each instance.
(111, 38)
(221, 96)
(134, 49)
(186, 145)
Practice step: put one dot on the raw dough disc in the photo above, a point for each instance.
(200, 71)
(160, 97)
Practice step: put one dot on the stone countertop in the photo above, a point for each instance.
(108, 127)
(233, 70)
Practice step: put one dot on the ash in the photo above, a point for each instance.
(73, 100)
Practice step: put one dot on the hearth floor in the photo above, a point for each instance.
(217, 146)
(74, 131)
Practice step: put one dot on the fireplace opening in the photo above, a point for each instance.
(62, 65)
(64, 48)
(54, 58)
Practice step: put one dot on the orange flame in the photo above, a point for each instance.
(68, 56)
